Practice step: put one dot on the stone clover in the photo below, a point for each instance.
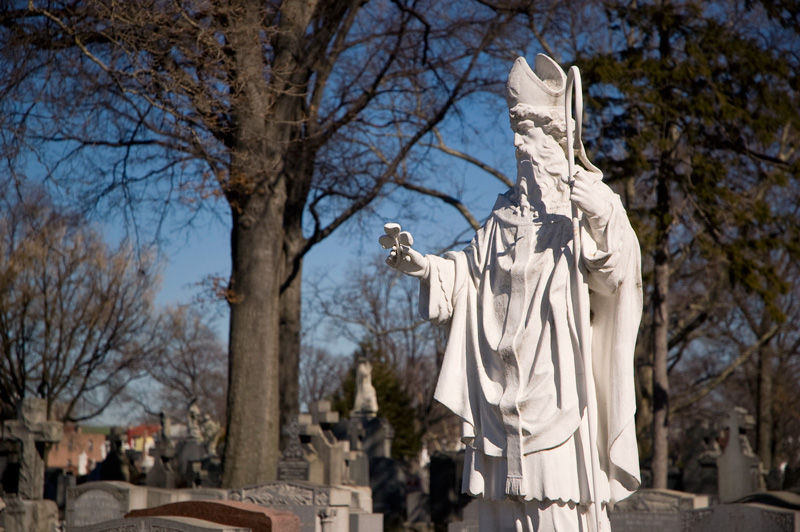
(395, 238)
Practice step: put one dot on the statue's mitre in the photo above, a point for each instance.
(541, 88)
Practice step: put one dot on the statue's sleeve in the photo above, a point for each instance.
(613, 263)
(437, 294)
(609, 244)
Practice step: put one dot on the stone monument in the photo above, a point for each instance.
(28, 511)
(197, 462)
(543, 309)
(162, 474)
(739, 468)
(366, 402)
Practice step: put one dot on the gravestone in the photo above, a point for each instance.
(378, 437)
(699, 474)
(315, 505)
(741, 518)
(29, 516)
(358, 461)
(162, 474)
(196, 460)
(116, 466)
(298, 462)
(330, 449)
(470, 522)
(33, 431)
(96, 502)
(654, 510)
(161, 524)
(738, 467)
(162, 496)
(446, 478)
(208, 494)
(242, 514)
(28, 512)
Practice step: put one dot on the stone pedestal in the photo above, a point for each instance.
(30, 516)
(32, 430)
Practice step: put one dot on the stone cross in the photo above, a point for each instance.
(738, 468)
(33, 431)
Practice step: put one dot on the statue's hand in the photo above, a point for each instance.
(402, 257)
(409, 261)
(586, 196)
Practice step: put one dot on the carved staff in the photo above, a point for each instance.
(582, 301)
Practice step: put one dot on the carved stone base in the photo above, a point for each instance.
(30, 516)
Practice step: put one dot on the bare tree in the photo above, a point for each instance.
(75, 315)
(189, 364)
(299, 114)
(378, 309)
(321, 374)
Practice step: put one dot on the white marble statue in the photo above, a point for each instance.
(546, 440)
(366, 401)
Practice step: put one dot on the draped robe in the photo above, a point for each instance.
(513, 369)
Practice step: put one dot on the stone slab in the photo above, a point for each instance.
(654, 510)
(208, 494)
(362, 522)
(314, 504)
(30, 516)
(162, 496)
(161, 524)
(241, 514)
(96, 502)
(741, 518)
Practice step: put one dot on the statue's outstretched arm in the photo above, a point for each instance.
(402, 256)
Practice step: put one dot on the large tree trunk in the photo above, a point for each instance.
(661, 267)
(765, 378)
(268, 122)
(251, 444)
(290, 315)
(660, 465)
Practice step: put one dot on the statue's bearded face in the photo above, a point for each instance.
(540, 158)
(527, 139)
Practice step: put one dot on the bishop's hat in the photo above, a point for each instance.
(535, 90)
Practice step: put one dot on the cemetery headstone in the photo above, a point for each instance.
(162, 524)
(27, 511)
(741, 518)
(312, 503)
(654, 510)
(33, 431)
(162, 474)
(117, 466)
(447, 501)
(738, 466)
(96, 502)
(196, 460)
(699, 473)
(470, 521)
(241, 514)
(29, 516)
(297, 462)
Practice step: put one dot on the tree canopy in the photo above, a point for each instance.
(75, 314)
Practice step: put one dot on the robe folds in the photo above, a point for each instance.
(513, 370)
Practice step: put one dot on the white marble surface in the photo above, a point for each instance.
(514, 367)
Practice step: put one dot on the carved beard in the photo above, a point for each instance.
(541, 172)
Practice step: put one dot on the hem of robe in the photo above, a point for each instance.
(560, 475)
(538, 516)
